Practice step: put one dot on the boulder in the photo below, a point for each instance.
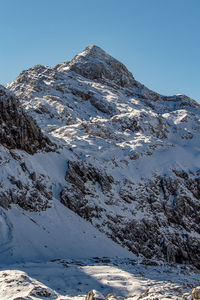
(94, 295)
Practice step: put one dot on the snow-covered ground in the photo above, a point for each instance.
(54, 233)
(73, 279)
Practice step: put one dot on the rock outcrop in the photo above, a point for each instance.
(193, 295)
(95, 64)
(95, 295)
(156, 217)
(18, 130)
(22, 183)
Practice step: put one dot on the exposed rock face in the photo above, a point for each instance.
(18, 130)
(133, 168)
(96, 64)
(74, 196)
(155, 218)
(196, 293)
(20, 185)
(42, 292)
(193, 295)
(94, 295)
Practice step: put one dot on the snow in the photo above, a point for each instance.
(54, 233)
(73, 279)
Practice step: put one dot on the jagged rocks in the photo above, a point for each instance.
(155, 218)
(95, 295)
(39, 291)
(81, 179)
(196, 293)
(96, 64)
(193, 295)
(34, 196)
(22, 184)
(18, 130)
(87, 173)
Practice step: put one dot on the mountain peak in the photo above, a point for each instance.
(94, 51)
(95, 64)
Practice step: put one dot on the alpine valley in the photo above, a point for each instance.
(100, 185)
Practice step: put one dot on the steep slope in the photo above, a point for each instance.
(34, 225)
(134, 167)
(18, 129)
(21, 184)
(52, 234)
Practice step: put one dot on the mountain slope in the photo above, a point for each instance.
(18, 129)
(34, 225)
(21, 184)
(134, 168)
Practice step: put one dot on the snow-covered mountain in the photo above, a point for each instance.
(34, 225)
(119, 155)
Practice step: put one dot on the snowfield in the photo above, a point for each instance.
(73, 279)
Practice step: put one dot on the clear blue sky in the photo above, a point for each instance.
(158, 40)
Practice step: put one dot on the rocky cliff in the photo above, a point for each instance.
(19, 131)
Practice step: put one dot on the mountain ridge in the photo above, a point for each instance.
(132, 155)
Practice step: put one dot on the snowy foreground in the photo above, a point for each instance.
(73, 279)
